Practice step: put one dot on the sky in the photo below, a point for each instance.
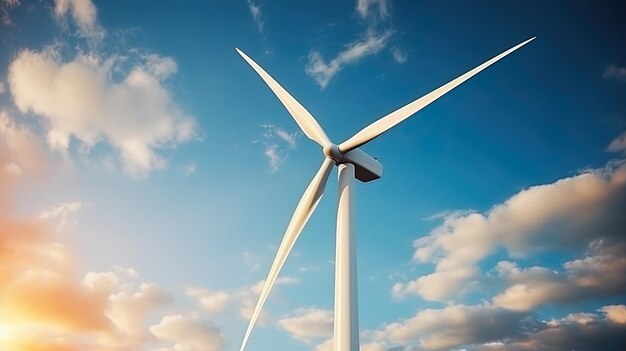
(147, 174)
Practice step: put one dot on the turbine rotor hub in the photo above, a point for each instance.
(332, 151)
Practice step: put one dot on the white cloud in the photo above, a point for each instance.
(189, 169)
(373, 39)
(375, 9)
(255, 11)
(308, 324)
(399, 55)
(84, 15)
(2, 88)
(212, 302)
(618, 144)
(572, 212)
(62, 212)
(615, 72)
(189, 333)
(277, 143)
(322, 71)
(129, 307)
(79, 99)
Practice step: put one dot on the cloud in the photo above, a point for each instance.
(582, 332)
(373, 39)
(399, 55)
(615, 72)
(44, 303)
(618, 144)
(255, 11)
(247, 297)
(62, 212)
(277, 143)
(212, 302)
(5, 7)
(322, 71)
(189, 333)
(590, 277)
(80, 100)
(572, 212)
(372, 9)
(84, 15)
(189, 169)
(308, 324)
(451, 327)
(20, 155)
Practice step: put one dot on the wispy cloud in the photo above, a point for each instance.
(615, 72)
(257, 16)
(62, 213)
(189, 169)
(5, 8)
(84, 16)
(399, 55)
(323, 71)
(373, 9)
(277, 143)
(376, 36)
(618, 144)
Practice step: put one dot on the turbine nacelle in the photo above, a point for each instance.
(366, 168)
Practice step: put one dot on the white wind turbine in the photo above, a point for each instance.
(352, 163)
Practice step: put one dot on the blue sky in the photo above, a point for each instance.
(148, 174)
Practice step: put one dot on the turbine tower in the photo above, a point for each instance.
(352, 163)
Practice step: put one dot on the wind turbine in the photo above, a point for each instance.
(352, 163)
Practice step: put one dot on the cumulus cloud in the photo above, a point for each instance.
(255, 11)
(580, 331)
(572, 211)
(212, 302)
(323, 71)
(277, 143)
(189, 333)
(308, 324)
(80, 100)
(615, 72)
(603, 274)
(451, 327)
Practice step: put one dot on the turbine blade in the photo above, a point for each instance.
(385, 123)
(303, 118)
(305, 208)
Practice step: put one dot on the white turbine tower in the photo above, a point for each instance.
(352, 163)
